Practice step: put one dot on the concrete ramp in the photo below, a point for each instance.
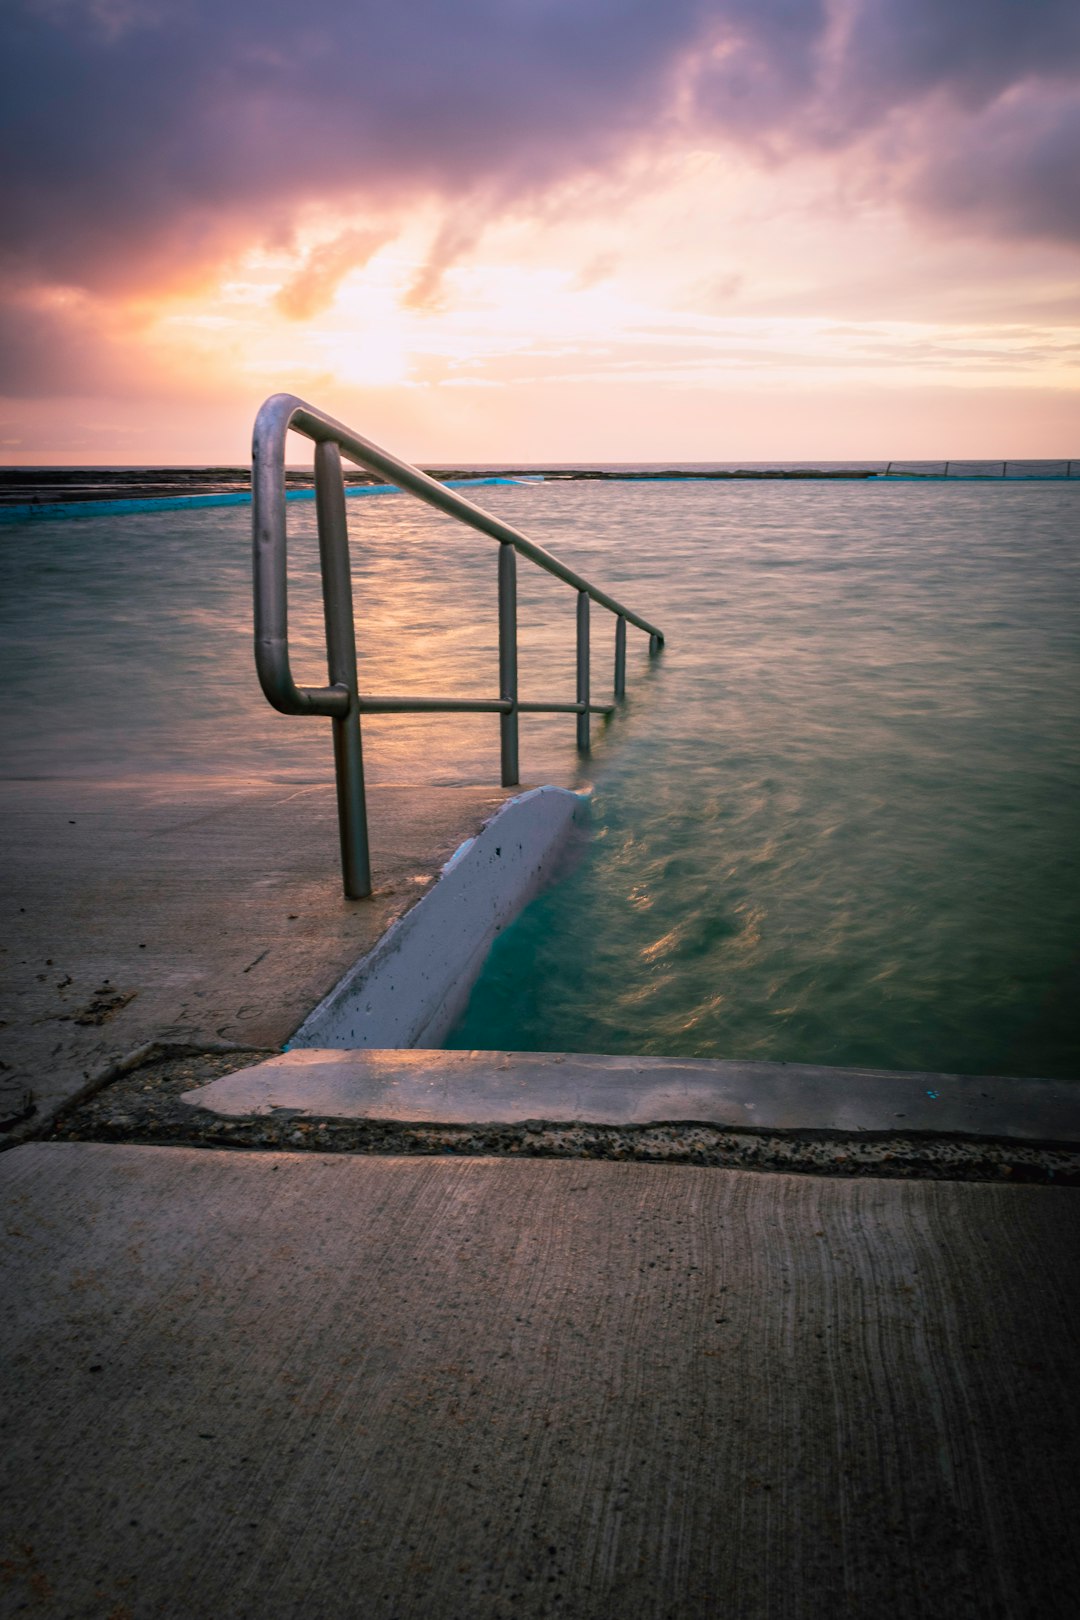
(270, 1385)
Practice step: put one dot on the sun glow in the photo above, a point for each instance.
(680, 319)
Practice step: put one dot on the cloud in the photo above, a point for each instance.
(899, 51)
(761, 68)
(144, 141)
(160, 133)
(599, 268)
(979, 104)
(312, 288)
(1013, 171)
(969, 111)
(460, 231)
(55, 346)
(717, 292)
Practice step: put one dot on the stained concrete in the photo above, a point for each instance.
(508, 1088)
(267, 1385)
(191, 911)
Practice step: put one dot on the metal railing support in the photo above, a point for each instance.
(620, 658)
(508, 672)
(341, 661)
(583, 670)
(341, 701)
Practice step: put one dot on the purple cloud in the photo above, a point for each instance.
(1015, 170)
(132, 141)
(141, 138)
(899, 51)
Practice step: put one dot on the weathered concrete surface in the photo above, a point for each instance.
(263, 1385)
(506, 1088)
(193, 911)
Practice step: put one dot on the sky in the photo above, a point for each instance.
(541, 230)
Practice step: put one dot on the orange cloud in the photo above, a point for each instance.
(312, 288)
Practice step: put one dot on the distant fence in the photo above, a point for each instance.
(982, 469)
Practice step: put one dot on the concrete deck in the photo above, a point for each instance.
(270, 1385)
(194, 911)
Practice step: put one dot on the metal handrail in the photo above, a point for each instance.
(341, 699)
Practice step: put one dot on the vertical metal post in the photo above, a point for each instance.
(583, 669)
(620, 658)
(655, 643)
(508, 672)
(341, 658)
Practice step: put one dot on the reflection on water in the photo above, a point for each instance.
(836, 822)
(128, 647)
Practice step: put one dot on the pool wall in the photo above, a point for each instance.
(412, 987)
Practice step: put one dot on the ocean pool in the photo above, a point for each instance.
(837, 820)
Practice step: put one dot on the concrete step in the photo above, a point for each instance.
(510, 1088)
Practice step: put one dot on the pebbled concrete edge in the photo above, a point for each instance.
(410, 989)
(158, 1105)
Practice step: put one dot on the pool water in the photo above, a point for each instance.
(836, 822)
(841, 823)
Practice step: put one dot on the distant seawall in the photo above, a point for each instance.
(44, 494)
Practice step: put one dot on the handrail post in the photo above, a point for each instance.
(583, 670)
(620, 658)
(340, 700)
(508, 671)
(341, 658)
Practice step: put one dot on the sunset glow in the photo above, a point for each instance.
(786, 230)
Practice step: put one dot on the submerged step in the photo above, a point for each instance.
(510, 1088)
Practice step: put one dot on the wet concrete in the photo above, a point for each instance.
(147, 1105)
(270, 1385)
(506, 1088)
(195, 912)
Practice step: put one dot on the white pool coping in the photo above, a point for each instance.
(413, 986)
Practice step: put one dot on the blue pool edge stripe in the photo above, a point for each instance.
(42, 512)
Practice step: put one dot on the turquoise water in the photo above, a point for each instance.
(841, 823)
(837, 821)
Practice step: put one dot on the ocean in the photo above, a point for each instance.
(836, 821)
